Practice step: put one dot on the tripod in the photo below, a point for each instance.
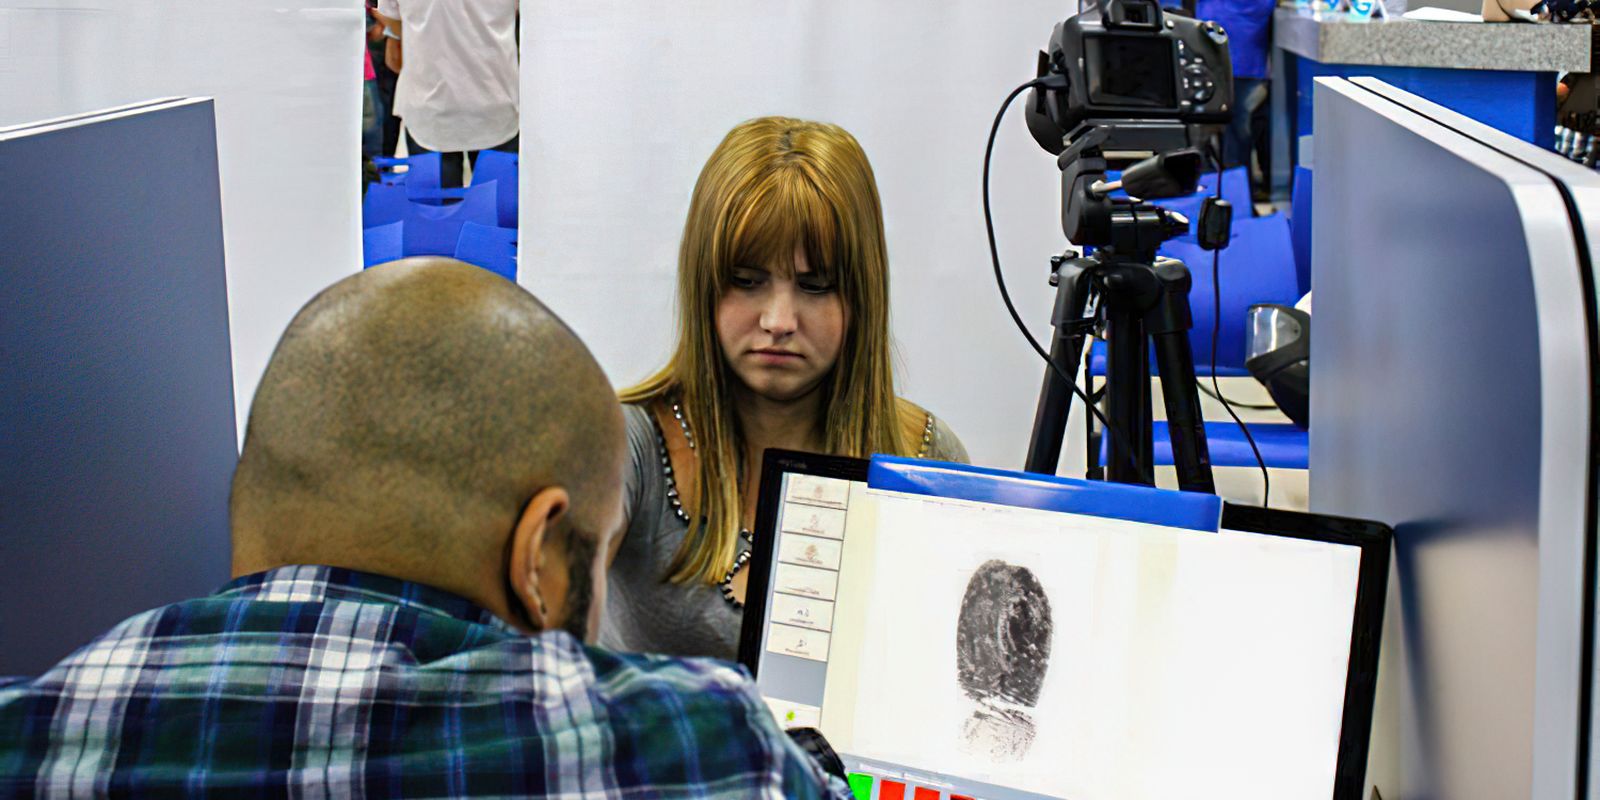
(1133, 299)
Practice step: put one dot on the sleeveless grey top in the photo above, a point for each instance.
(645, 613)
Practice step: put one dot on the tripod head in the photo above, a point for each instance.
(1120, 85)
(1126, 226)
(1142, 299)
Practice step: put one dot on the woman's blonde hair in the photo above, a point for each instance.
(772, 185)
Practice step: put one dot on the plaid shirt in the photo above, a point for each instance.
(315, 682)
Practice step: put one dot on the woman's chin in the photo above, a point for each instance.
(781, 391)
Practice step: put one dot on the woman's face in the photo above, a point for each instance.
(781, 329)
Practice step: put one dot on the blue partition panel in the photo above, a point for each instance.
(116, 400)
(1522, 104)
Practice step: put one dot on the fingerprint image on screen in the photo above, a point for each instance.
(1003, 637)
(1133, 71)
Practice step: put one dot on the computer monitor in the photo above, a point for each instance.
(955, 644)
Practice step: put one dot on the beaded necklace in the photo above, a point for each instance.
(676, 501)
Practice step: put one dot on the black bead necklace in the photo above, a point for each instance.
(675, 500)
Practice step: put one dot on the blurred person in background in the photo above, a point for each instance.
(1249, 27)
(383, 83)
(371, 111)
(457, 91)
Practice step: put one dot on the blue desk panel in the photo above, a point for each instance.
(1522, 104)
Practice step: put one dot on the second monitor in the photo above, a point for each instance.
(969, 633)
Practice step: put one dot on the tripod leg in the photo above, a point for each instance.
(1169, 323)
(1066, 353)
(1092, 437)
(1127, 398)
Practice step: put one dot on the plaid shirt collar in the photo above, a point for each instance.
(302, 583)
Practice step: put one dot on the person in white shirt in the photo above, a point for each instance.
(458, 88)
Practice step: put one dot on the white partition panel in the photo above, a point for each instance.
(1567, 475)
(286, 78)
(624, 101)
(1452, 385)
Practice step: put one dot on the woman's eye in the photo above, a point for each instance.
(745, 280)
(817, 286)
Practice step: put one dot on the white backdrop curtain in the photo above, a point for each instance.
(624, 101)
(286, 76)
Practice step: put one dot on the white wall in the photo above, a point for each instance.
(623, 102)
(286, 78)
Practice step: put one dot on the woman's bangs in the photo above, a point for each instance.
(781, 213)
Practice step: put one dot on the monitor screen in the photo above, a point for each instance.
(1131, 70)
(976, 650)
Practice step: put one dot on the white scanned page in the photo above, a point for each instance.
(1090, 658)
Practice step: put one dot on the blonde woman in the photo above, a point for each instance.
(783, 341)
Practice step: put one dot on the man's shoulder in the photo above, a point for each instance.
(682, 721)
(109, 667)
(627, 677)
(109, 648)
(695, 724)
(286, 628)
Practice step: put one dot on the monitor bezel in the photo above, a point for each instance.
(773, 465)
(1373, 538)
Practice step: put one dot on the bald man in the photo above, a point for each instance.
(432, 468)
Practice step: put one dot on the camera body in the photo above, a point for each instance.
(1131, 60)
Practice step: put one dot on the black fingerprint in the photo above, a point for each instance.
(1003, 635)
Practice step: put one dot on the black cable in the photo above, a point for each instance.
(1000, 279)
(1216, 332)
(1236, 404)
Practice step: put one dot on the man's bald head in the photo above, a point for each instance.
(407, 418)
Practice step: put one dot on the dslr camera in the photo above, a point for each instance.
(1126, 61)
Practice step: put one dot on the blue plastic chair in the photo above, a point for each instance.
(434, 230)
(1300, 225)
(501, 167)
(1256, 267)
(421, 178)
(384, 205)
(493, 248)
(1235, 188)
(422, 170)
(382, 244)
(1282, 445)
(388, 204)
(423, 181)
(386, 170)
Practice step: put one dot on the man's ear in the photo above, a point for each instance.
(527, 552)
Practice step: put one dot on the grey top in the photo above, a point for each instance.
(1449, 45)
(644, 612)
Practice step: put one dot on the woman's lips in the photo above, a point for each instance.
(776, 356)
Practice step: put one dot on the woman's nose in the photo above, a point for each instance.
(778, 315)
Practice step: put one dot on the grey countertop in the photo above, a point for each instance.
(1450, 45)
